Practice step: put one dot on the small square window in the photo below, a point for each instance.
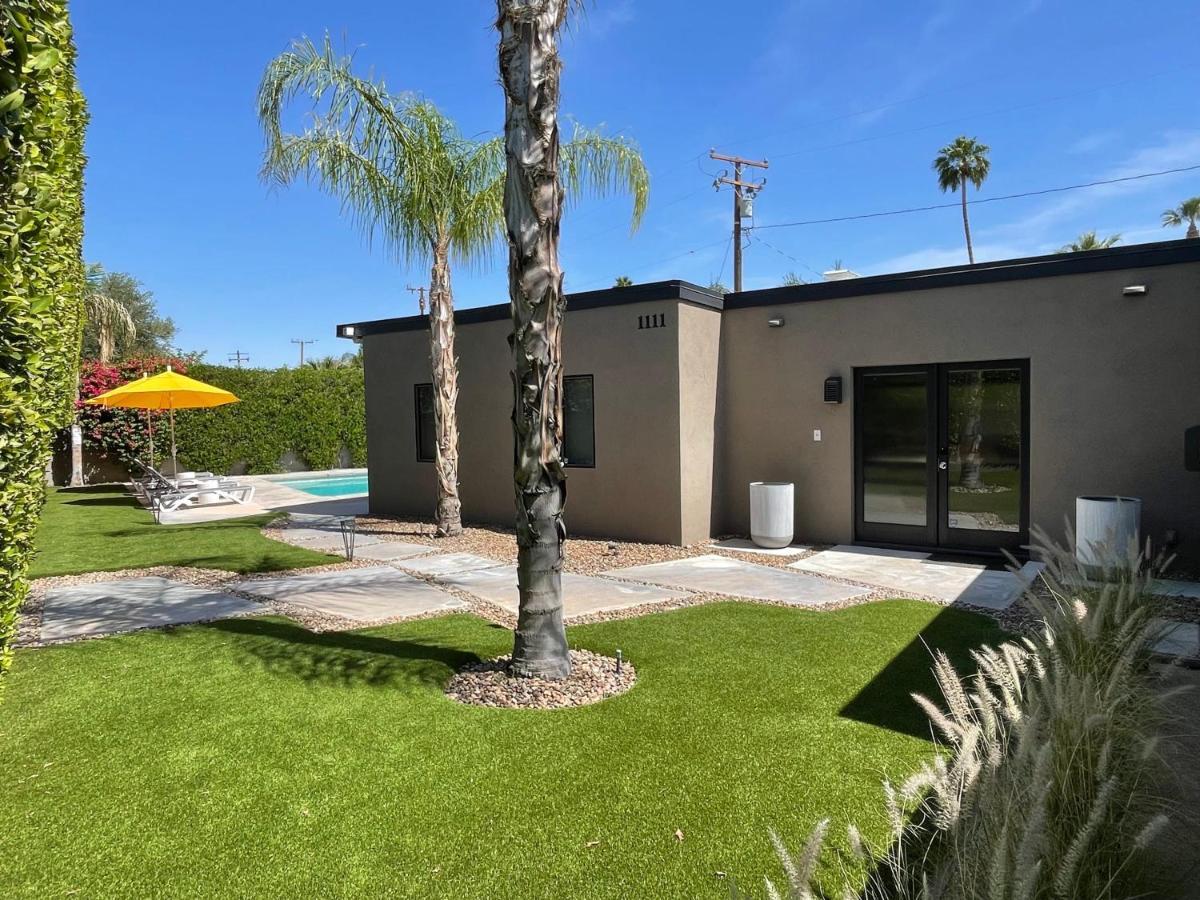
(579, 421)
(426, 428)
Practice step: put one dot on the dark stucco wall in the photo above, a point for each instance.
(1114, 381)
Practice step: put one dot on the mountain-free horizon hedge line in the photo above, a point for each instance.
(42, 122)
(312, 412)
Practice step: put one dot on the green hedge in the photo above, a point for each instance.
(312, 412)
(42, 120)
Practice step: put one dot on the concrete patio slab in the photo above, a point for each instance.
(1166, 587)
(582, 594)
(721, 575)
(109, 607)
(389, 551)
(363, 595)
(917, 574)
(744, 545)
(1178, 640)
(324, 539)
(450, 564)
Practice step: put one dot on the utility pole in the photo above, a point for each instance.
(420, 292)
(238, 357)
(302, 343)
(743, 202)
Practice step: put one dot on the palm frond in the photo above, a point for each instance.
(603, 166)
(962, 160)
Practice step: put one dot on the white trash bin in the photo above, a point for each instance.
(771, 513)
(1105, 523)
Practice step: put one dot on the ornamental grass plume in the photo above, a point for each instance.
(1043, 786)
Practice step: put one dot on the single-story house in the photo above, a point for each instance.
(948, 408)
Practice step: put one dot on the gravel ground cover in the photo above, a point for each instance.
(593, 678)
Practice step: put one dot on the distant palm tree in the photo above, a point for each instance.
(623, 281)
(791, 279)
(1089, 241)
(1187, 211)
(964, 160)
(112, 321)
(404, 173)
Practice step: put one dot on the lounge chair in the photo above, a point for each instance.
(201, 493)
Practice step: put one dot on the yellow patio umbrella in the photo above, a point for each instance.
(165, 391)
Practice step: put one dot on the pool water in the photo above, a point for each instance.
(336, 486)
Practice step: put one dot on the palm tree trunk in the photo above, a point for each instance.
(533, 198)
(967, 224)
(104, 337)
(1193, 231)
(445, 393)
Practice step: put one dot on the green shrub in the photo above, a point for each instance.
(42, 120)
(313, 412)
(1045, 788)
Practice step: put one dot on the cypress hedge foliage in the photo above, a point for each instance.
(311, 412)
(42, 120)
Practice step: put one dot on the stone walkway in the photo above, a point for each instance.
(583, 595)
(913, 573)
(357, 595)
(721, 575)
(111, 607)
(413, 580)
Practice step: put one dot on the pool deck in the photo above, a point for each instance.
(271, 492)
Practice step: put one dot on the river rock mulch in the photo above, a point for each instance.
(593, 678)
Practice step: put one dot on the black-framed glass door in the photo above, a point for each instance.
(942, 455)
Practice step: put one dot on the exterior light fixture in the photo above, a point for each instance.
(833, 390)
(1133, 290)
(346, 331)
(777, 322)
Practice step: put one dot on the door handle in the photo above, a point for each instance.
(943, 465)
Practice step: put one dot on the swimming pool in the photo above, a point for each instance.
(329, 485)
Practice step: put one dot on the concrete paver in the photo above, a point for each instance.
(111, 607)
(722, 575)
(379, 592)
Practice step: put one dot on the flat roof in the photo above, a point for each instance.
(614, 296)
(1132, 256)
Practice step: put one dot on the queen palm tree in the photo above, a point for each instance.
(1187, 211)
(406, 175)
(959, 162)
(1089, 241)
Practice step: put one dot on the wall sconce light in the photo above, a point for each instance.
(346, 331)
(1133, 290)
(776, 322)
(833, 389)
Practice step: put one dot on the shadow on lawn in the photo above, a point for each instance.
(886, 701)
(340, 658)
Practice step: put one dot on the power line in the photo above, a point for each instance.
(915, 209)
(786, 255)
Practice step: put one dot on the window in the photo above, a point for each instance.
(426, 431)
(579, 421)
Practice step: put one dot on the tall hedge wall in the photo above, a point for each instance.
(42, 120)
(311, 412)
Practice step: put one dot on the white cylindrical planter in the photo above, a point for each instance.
(1104, 528)
(771, 512)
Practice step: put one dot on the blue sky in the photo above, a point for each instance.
(848, 100)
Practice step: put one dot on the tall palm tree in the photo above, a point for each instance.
(533, 203)
(1187, 211)
(1089, 241)
(959, 162)
(113, 322)
(405, 174)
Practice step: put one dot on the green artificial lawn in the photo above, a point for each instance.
(254, 758)
(102, 529)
